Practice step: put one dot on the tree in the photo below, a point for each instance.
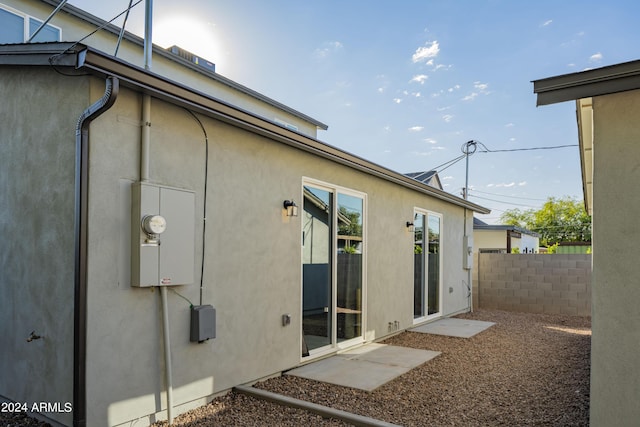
(558, 220)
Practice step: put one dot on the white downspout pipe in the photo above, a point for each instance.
(144, 176)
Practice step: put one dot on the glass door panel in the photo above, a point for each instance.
(433, 282)
(418, 266)
(317, 260)
(350, 248)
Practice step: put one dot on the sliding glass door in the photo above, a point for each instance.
(427, 281)
(332, 268)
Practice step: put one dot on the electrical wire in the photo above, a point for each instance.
(503, 195)
(53, 57)
(204, 214)
(500, 201)
(486, 150)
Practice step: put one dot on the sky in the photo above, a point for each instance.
(405, 84)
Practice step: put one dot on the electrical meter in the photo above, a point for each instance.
(154, 224)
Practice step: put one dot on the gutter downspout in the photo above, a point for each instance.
(80, 231)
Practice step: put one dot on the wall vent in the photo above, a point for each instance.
(185, 54)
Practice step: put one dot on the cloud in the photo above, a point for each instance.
(416, 128)
(420, 78)
(480, 89)
(430, 140)
(596, 57)
(447, 118)
(426, 52)
(327, 49)
(397, 100)
(547, 23)
(438, 148)
(522, 184)
(509, 125)
(446, 178)
(511, 184)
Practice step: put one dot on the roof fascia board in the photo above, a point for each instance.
(115, 30)
(585, 84)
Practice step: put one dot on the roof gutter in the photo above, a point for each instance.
(80, 232)
(170, 91)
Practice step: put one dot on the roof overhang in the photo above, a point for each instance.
(586, 84)
(581, 87)
(84, 59)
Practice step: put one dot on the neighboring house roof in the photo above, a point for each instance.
(481, 225)
(581, 87)
(97, 22)
(428, 177)
(83, 59)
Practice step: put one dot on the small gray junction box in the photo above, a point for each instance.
(203, 323)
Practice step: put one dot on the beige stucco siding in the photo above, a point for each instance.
(37, 149)
(615, 378)
(252, 271)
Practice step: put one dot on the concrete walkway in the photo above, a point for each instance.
(453, 327)
(372, 365)
(367, 367)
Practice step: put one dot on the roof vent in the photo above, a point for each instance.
(176, 50)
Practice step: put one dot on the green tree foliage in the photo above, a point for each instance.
(558, 220)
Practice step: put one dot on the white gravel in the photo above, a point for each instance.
(527, 370)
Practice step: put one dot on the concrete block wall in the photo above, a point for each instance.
(536, 283)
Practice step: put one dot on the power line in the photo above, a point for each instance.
(503, 195)
(500, 201)
(486, 150)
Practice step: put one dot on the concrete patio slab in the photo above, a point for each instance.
(365, 368)
(462, 328)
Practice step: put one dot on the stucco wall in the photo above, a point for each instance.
(37, 149)
(558, 284)
(615, 345)
(252, 270)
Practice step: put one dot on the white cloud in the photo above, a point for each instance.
(522, 184)
(447, 118)
(511, 184)
(446, 178)
(416, 128)
(509, 125)
(426, 52)
(596, 57)
(480, 89)
(547, 23)
(438, 148)
(397, 100)
(380, 90)
(420, 78)
(387, 128)
(430, 140)
(416, 94)
(327, 49)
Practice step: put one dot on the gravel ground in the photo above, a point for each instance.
(527, 370)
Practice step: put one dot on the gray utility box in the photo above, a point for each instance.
(203, 323)
(162, 235)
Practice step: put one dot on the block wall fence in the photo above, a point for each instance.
(534, 283)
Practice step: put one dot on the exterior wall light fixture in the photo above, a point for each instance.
(291, 207)
(409, 226)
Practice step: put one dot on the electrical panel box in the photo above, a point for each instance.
(203, 323)
(467, 255)
(162, 235)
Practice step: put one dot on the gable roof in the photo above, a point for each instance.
(428, 177)
(82, 59)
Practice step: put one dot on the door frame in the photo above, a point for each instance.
(425, 278)
(334, 345)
